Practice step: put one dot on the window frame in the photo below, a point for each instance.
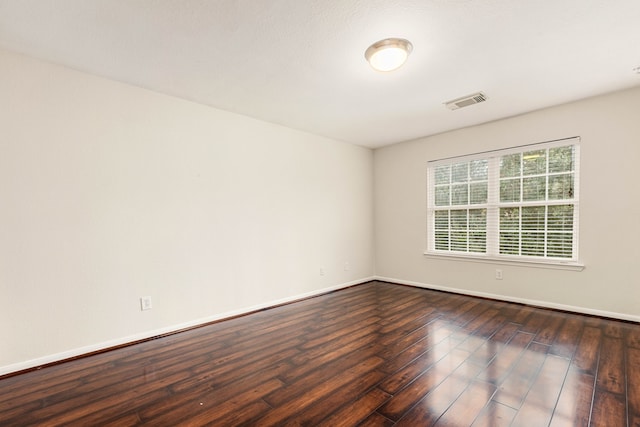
(493, 205)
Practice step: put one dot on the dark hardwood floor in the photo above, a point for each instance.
(373, 355)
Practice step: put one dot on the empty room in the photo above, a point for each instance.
(320, 213)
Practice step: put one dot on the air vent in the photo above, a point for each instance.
(465, 101)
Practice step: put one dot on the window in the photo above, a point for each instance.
(517, 204)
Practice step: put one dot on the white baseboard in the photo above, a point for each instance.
(544, 304)
(40, 361)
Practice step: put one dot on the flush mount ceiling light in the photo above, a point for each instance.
(388, 54)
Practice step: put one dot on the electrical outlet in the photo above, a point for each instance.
(145, 303)
(498, 274)
(347, 266)
(322, 272)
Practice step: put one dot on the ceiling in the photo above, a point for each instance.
(300, 63)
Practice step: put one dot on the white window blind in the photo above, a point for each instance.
(520, 203)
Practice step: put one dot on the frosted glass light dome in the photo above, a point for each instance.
(388, 54)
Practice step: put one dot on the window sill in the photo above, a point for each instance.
(554, 265)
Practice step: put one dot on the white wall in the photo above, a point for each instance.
(609, 208)
(110, 192)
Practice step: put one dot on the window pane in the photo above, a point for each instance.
(510, 166)
(509, 243)
(478, 242)
(560, 218)
(534, 188)
(521, 205)
(442, 240)
(479, 170)
(460, 172)
(459, 194)
(459, 220)
(509, 218)
(459, 241)
(442, 196)
(560, 187)
(533, 218)
(477, 219)
(443, 174)
(560, 245)
(534, 162)
(478, 192)
(561, 159)
(442, 220)
(510, 190)
(533, 244)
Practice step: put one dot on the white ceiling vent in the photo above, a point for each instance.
(465, 101)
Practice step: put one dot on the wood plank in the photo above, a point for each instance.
(182, 395)
(588, 350)
(458, 315)
(320, 375)
(202, 410)
(495, 415)
(515, 387)
(237, 417)
(468, 406)
(376, 420)
(538, 406)
(485, 353)
(110, 409)
(404, 400)
(633, 337)
(436, 402)
(505, 333)
(608, 409)
(322, 407)
(432, 406)
(427, 360)
(68, 411)
(611, 370)
(549, 329)
(574, 404)
(471, 343)
(567, 339)
(614, 329)
(534, 322)
(479, 308)
(123, 420)
(411, 363)
(420, 335)
(407, 315)
(489, 328)
(502, 363)
(327, 335)
(633, 384)
(367, 344)
(523, 314)
(479, 321)
(357, 410)
(290, 405)
(217, 378)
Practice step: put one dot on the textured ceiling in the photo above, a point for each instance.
(300, 63)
